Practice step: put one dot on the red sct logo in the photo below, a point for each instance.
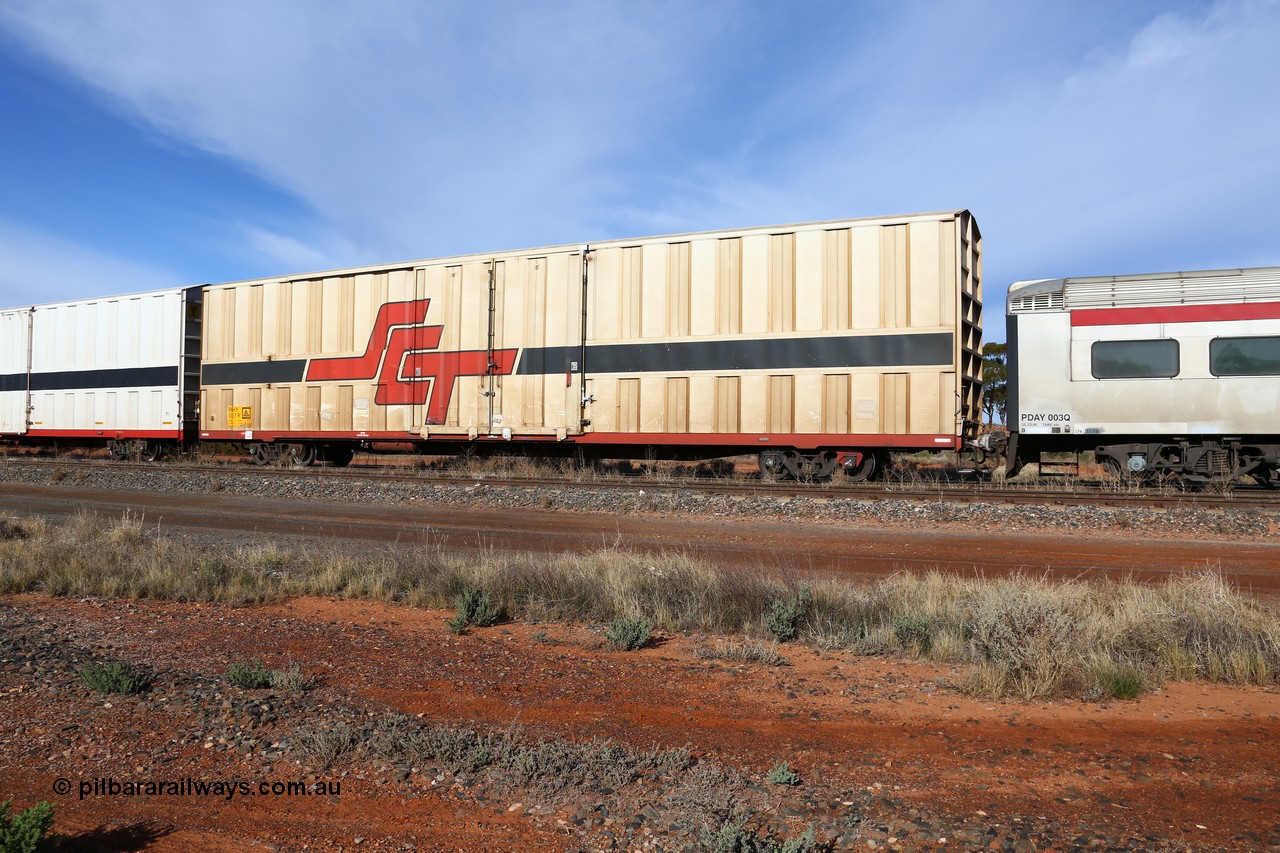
(402, 353)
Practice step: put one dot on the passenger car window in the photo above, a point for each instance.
(1135, 359)
(1244, 356)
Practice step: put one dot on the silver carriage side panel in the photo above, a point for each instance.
(108, 367)
(15, 356)
(1059, 326)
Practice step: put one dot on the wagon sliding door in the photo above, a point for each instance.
(536, 345)
(498, 347)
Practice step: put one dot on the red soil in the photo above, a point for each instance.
(1193, 763)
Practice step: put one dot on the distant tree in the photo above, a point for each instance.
(995, 381)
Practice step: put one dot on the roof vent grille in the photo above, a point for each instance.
(1038, 302)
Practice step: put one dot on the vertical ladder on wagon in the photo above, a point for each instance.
(492, 372)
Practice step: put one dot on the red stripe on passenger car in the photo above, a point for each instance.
(1176, 314)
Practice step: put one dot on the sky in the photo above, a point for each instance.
(160, 143)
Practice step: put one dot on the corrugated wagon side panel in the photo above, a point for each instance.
(396, 350)
(786, 313)
(13, 370)
(88, 356)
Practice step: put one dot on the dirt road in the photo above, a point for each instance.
(801, 545)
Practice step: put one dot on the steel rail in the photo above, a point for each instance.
(1103, 494)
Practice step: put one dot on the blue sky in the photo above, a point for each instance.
(152, 143)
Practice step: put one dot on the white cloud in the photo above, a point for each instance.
(1087, 137)
(290, 254)
(37, 267)
(409, 127)
(1153, 147)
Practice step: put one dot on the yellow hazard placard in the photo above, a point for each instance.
(239, 417)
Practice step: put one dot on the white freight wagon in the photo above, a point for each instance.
(120, 371)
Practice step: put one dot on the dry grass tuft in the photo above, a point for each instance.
(1023, 636)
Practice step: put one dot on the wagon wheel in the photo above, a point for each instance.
(298, 455)
(773, 465)
(151, 451)
(261, 454)
(864, 470)
(339, 455)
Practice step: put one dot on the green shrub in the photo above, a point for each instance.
(118, 677)
(250, 676)
(25, 831)
(782, 774)
(626, 634)
(913, 633)
(475, 607)
(1120, 681)
(255, 676)
(782, 616)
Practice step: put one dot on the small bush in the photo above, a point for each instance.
(626, 634)
(747, 651)
(291, 680)
(733, 836)
(115, 677)
(782, 774)
(475, 607)
(1030, 635)
(25, 831)
(255, 676)
(782, 616)
(913, 633)
(322, 747)
(1120, 680)
(250, 676)
(12, 528)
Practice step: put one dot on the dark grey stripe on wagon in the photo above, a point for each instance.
(910, 350)
(253, 372)
(118, 377)
(13, 382)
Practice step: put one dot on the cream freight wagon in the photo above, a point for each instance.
(812, 345)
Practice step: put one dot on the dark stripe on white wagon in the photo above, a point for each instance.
(83, 380)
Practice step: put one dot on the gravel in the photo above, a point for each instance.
(1164, 522)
